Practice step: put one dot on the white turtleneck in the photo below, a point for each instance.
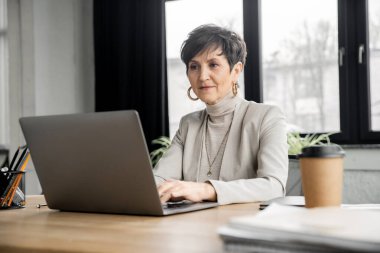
(219, 119)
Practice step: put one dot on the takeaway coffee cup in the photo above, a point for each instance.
(322, 175)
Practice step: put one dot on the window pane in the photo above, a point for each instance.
(374, 47)
(300, 62)
(182, 17)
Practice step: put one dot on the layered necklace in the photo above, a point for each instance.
(211, 163)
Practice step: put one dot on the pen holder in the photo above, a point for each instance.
(13, 194)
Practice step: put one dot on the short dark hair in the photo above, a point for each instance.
(212, 36)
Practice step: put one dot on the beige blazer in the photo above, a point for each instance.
(255, 161)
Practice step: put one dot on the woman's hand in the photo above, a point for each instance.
(174, 190)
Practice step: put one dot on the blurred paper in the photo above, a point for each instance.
(292, 229)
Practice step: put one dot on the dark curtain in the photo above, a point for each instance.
(130, 61)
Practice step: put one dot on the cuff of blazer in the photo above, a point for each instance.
(220, 193)
(247, 190)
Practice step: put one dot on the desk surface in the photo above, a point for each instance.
(33, 229)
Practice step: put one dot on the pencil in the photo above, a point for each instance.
(13, 189)
(15, 183)
(19, 177)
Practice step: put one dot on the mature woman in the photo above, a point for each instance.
(233, 151)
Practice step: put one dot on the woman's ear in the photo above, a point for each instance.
(237, 69)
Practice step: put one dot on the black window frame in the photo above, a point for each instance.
(354, 87)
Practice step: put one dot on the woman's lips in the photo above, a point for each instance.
(206, 87)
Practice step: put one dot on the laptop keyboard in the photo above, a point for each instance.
(178, 204)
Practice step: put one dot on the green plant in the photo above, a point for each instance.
(164, 143)
(296, 142)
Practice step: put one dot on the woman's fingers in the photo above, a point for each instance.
(165, 197)
(165, 186)
(187, 193)
(165, 190)
(179, 190)
(170, 193)
(169, 187)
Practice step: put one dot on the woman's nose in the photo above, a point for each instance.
(204, 74)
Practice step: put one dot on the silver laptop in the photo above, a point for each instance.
(96, 162)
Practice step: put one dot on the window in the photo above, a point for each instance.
(182, 17)
(323, 79)
(316, 59)
(300, 62)
(4, 91)
(374, 47)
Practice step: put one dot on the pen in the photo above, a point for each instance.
(20, 159)
(16, 161)
(14, 157)
(40, 205)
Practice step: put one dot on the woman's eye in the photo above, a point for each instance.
(213, 65)
(193, 67)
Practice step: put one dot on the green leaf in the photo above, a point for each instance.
(164, 143)
(296, 142)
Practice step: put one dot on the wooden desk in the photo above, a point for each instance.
(33, 229)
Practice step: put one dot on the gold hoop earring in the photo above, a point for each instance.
(235, 87)
(188, 94)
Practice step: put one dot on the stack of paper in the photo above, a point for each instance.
(295, 229)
